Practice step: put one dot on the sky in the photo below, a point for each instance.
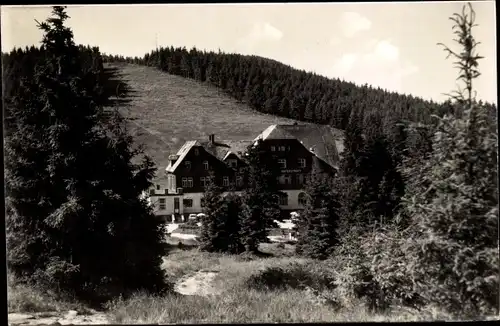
(388, 45)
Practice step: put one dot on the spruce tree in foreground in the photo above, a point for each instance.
(317, 227)
(450, 251)
(212, 237)
(220, 228)
(74, 219)
(233, 204)
(260, 199)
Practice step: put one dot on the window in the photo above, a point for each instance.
(163, 204)
(287, 179)
(232, 163)
(302, 199)
(273, 149)
(300, 179)
(202, 202)
(171, 182)
(282, 148)
(158, 187)
(151, 191)
(203, 181)
(282, 163)
(225, 181)
(283, 199)
(196, 151)
(288, 148)
(187, 202)
(205, 165)
(188, 165)
(187, 182)
(239, 181)
(302, 163)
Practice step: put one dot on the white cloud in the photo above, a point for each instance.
(352, 23)
(261, 33)
(385, 49)
(345, 64)
(380, 66)
(265, 31)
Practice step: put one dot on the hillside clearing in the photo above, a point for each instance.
(166, 110)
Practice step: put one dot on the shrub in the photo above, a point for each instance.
(191, 224)
(451, 253)
(354, 279)
(293, 275)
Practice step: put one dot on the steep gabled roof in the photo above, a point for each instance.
(322, 140)
(182, 152)
(274, 132)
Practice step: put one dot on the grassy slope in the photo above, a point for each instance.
(167, 110)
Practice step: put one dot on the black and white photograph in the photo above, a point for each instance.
(250, 163)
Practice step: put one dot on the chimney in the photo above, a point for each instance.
(173, 159)
(211, 138)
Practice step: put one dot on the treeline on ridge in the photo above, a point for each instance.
(272, 87)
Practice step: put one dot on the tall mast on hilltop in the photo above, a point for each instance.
(157, 37)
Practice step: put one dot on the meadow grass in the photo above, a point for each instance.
(245, 293)
(23, 298)
(274, 287)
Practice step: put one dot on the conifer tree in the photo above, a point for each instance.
(212, 236)
(353, 143)
(452, 197)
(317, 227)
(74, 219)
(233, 204)
(261, 205)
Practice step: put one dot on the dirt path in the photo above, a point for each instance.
(50, 318)
(198, 284)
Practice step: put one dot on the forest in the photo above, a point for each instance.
(272, 87)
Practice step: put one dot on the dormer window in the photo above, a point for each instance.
(187, 164)
(158, 187)
(205, 165)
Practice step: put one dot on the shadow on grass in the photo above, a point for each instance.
(116, 90)
(186, 245)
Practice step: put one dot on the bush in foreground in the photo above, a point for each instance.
(447, 254)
